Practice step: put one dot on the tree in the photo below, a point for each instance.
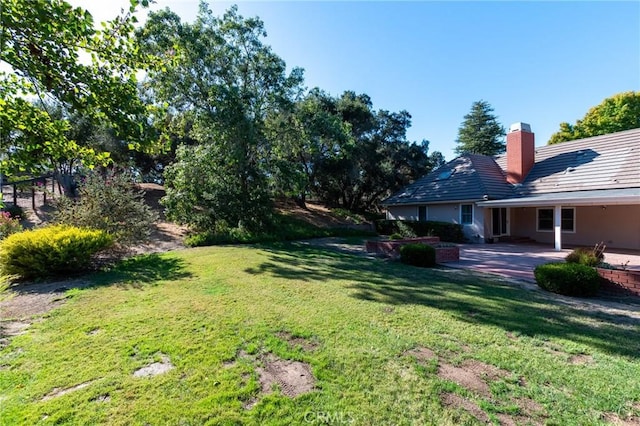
(219, 74)
(480, 132)
(615, 114)
(59, 58)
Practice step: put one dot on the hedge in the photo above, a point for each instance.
(449, 232)
(569, 279)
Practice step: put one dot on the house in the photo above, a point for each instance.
(574, 193)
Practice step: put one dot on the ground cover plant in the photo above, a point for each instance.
(370, 342)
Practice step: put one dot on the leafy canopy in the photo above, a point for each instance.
(480, 132)
(615, 114)
(58, 57)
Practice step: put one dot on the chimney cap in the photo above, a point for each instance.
(520, 127)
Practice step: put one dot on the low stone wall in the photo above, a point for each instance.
(447, 254)
(391, 248)
(621, 281)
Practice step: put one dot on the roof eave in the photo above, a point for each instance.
(591, 201)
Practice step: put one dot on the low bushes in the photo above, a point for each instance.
(16, 212)
(110, 203)
(569, 279)
(451, 232)
(283, 228)
(586, 256)
(51, 250)
(8, 225)
(418, 254)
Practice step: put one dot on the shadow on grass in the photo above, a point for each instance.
(142, 270)
(469, 297)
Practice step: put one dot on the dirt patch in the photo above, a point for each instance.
(456, 401)
(466, 378)
(25, 300)
(56, 392)
(486, 371)
(295, 341)
(616, 420)
(529, 407)
(293, 377)
(581, 359)
(421, 354)
(155, 368)
(319, 215)
(507, 420)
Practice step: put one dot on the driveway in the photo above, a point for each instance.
(519, 260)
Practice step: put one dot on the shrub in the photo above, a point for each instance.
(8, 225)
(396, 236)
(16, 212)
(585, 256)
(451, 232)
(51, 250)
(283, 228)
(418, 255)
(570, 279)
(111, 204)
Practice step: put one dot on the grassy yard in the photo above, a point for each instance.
(386, 344)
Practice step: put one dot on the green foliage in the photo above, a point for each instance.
(219, 76)
(406, 230)
(418, 254)
(615, 114)
(396, 236)
(450, 232)
(8, 225)
(480, 132)
(45, 45)
(585, 256)
(570, 279)
(110, 203)
(52, 250)
(283, 228)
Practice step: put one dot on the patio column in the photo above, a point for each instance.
(557, 227)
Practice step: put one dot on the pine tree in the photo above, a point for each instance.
(480, 132)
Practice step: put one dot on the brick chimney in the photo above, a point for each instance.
(520, 152)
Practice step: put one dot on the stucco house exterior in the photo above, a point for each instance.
(574, 193)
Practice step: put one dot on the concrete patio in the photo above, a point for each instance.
(519, 260)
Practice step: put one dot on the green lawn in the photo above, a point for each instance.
(363, 325)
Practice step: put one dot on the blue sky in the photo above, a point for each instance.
(537, 62)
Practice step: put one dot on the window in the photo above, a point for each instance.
(567, 219)
(422, 213)
(466, 214)
(545, 219)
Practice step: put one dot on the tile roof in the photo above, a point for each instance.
(604, 162)
(601, 162)
(468, 177)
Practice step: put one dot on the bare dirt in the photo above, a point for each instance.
(293, 377)
(456, 401)
(295, 341)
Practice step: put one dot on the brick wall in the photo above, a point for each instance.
(620, 281)
(447, 254)
(391, 248)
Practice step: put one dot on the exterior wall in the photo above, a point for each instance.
(617, 226)
(402, 212)
(474, 232)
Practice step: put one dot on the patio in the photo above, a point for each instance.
(519, 260)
